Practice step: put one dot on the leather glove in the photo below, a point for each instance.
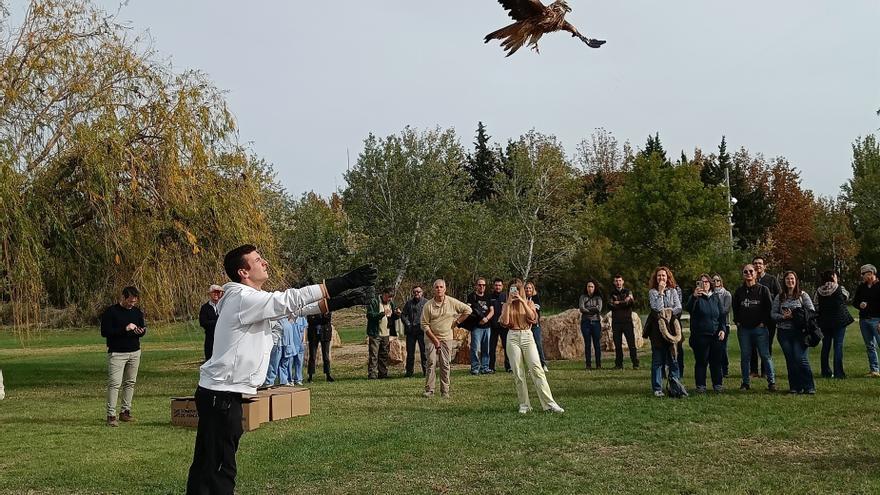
(365, 275)
(354, 297)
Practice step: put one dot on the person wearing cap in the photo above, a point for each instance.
(867, 301)
(208, 317)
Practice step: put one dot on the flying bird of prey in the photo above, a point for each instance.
(533, 20)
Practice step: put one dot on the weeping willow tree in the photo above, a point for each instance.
(114, 170)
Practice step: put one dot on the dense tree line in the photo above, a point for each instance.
(117, 170)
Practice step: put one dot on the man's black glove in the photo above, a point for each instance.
(365, 275)
(354, 297)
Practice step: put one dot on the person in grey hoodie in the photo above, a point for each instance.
(242, 346)
(830, 299)
(590, 306)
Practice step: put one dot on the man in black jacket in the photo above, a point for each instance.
(751, 313)
(320, 331)
(771, 283)
(478, 324)
(412, 328)
(621, 300)
(208, 317)
(123, 326)
(497, 298)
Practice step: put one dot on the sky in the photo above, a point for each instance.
(308, 81)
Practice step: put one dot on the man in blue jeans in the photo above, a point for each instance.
(867, 301)
(751, 313)
(478, 323)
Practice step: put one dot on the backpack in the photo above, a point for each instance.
(674, 388)
(808, 322)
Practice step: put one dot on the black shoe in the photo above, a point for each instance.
(745, 386)
(618, 367)
(408, 374)
(330, 378)
(771, 387)
(827, 374)
(310, 379)
(635, 366)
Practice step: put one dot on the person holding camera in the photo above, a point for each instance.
(790, 326)
(518, 314)
(123, 326)
(708, 331)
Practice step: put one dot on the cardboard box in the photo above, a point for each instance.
(279, 405)
(300, 402)
(300, 399)
(254, 412)
(183, 412)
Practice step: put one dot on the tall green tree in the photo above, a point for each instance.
(753, 208)
(482, 166)
(664, 215)
(601, 161)
(536, 205)
(402, 197)
(652, 146)
(712, 173)
(862, 192)
(315, 241)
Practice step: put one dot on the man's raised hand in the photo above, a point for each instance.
(354, 297)
(363, 276)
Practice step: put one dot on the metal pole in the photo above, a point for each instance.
(729, 205)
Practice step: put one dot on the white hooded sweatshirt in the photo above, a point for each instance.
(243, 336)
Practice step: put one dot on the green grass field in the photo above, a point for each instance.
(383, 437)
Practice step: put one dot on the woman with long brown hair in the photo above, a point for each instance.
(789, 307)
(666, 334)
(518, 314)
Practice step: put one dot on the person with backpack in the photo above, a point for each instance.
(664, 330)
(790, 311)
(708, 331)
(834, 317)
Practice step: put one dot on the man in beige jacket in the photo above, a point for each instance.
(441, 315)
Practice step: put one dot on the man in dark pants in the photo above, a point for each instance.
(320, 331)
(381, 317)
(242, 344)
(208, 317)
(497, 299)
(770, 282)
(621, 301)
(412, 328)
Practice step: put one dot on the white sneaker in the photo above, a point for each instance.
(525, 408)
(546, 369)
(428, 394)
(554, 408)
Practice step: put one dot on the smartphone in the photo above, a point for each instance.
(513, 290)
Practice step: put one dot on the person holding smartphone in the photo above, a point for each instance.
(123, 326)
(708, 330)
(518, 314)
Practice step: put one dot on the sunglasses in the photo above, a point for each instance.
(748, 271)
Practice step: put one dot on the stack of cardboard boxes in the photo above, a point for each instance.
(269, 404)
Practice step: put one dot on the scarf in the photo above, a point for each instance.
(827, 289)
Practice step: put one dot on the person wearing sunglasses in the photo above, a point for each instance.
(751, 314)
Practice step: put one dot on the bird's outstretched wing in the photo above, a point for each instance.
(522, 9)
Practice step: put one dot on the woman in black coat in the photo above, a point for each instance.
(833, 318)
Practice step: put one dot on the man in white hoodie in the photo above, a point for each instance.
(242, 345)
